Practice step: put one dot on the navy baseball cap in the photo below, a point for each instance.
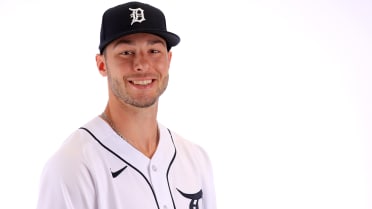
(134, 17)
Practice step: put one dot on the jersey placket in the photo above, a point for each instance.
(158, 169)
(158, 179)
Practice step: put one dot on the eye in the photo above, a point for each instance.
(127, 52)
(155, 51)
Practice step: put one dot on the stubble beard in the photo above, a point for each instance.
(118, 89)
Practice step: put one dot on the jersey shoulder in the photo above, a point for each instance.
(74, 154)
(191, 150)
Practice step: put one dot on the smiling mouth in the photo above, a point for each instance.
(142, 82)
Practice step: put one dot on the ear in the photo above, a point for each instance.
(101, 65)
(169, 57)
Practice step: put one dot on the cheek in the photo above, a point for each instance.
(122, 64)
(163, 71)
(163, 66)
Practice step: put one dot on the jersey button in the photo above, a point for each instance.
(165, 207)
(154, 168)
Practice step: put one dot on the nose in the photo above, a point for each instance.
(141, 62)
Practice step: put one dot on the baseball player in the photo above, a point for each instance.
(124, 158)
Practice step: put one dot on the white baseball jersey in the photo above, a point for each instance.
(96, 169)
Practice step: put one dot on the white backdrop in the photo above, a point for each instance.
(278, 92)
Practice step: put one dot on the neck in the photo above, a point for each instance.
(138, 127)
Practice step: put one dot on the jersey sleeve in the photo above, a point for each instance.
(66, 182)
(203, 166)
(209, 194)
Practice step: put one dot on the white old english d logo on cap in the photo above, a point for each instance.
(137, 15)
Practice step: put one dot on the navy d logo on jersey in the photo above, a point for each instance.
(194, 198)
(137, 15)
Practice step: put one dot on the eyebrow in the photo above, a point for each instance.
(130, 42)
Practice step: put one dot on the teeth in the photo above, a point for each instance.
(144, 82)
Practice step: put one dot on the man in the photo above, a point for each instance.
(124, 158)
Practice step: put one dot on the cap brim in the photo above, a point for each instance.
(169, 37)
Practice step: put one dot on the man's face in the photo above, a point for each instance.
(137, 68)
